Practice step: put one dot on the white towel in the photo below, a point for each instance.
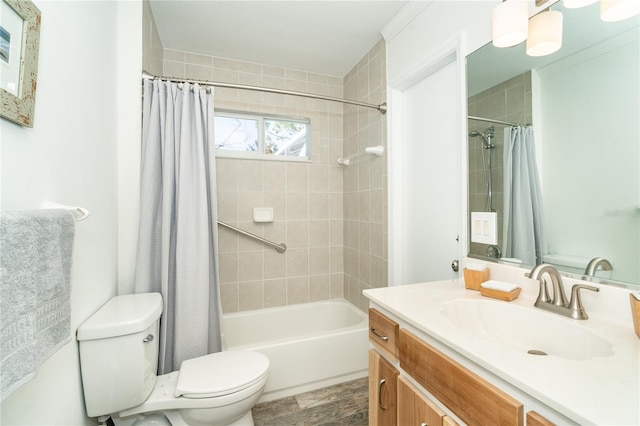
(36, 248)
(499, 285)
(476, 265)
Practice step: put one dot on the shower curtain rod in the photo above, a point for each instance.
(491, 120)
(382, 107)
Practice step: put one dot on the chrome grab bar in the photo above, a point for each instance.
(280, 248)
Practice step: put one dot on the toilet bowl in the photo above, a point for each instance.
(118, 358)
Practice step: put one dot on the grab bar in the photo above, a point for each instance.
(280, 248)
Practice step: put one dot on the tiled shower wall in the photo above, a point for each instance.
(365, 179)
(508, 101)
(332, 218)
(306, 196)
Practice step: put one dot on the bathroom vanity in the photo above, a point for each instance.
(442, 354)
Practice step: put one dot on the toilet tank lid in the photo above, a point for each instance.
(122, 315)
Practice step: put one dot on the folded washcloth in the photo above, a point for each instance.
(35, 275)
(499, 285)
(476, 266)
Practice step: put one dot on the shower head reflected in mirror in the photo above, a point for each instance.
(486, 137)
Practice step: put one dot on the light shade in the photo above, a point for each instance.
(509, 25)
(545, 33)
(574, 4)
(617, 10)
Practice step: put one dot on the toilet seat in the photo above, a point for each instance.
(163, 396)
(220, 374)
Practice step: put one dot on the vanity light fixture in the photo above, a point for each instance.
(545, 33)
(574, 4)
(509, 25)
(617, 10)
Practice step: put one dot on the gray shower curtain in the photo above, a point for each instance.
(523, 233)
(177, 239)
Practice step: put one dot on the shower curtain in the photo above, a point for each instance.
(523, 236)
(177, 239)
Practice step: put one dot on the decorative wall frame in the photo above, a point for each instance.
(19, 45)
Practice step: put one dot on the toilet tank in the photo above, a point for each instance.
(119, 353)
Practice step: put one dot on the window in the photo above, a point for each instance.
(245, 135)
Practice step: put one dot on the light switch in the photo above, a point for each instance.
(484, 227)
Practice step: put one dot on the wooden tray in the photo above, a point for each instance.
(502, 295)
(473, 279)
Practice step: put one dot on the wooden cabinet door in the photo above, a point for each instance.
(474, 400)
(383, 396)
(414, 408)
(535, 419)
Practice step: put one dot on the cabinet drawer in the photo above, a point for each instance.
(384, 333)
(474, 400)
(535, 419)
(414, 408)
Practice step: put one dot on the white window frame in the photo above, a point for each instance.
(260, 155)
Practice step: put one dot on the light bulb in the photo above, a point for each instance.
(617, 10)
(510, 23)
(574, 4)
(545, 33)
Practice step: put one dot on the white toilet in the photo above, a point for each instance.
(119, 361)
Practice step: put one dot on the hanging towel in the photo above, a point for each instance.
(36, 247)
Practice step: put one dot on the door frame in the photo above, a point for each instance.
(450, 52)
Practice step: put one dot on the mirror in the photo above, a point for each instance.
(583, 104)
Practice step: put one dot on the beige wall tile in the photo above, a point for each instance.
(275, 264)
(337, 285)
(229, 297)
(250, 266)
(228, 263)
(227, 206)
(297, 234)
(297, 177)
(250, 295)
(319, 206)
(297, 262)
(328, 257)
(298, 206)
(275, 293)
(319, 287)
(319, 233)
(297, 290)
(319, 261)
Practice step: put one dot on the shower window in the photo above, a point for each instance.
(243, 135)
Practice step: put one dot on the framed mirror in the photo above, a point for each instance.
(19, 45)
(583, 104)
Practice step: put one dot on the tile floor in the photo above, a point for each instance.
(345, 404)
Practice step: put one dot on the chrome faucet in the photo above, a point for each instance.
(559, 305)
(596, 262)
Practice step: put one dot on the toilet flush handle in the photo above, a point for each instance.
(148, 339)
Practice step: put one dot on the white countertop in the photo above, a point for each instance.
(600, 390)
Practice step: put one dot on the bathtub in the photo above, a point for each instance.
(310, 345)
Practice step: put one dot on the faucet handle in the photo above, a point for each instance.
(575, 305)
(543, 294)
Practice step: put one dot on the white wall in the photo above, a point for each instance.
(435, 36)
(413, 47)
(70, 157)
(587, 144)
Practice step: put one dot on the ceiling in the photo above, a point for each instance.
(325, 36)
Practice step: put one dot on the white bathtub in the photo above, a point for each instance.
(310, 346)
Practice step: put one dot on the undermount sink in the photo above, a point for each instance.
(526, 329)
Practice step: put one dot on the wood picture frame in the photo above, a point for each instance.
(19, 46)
